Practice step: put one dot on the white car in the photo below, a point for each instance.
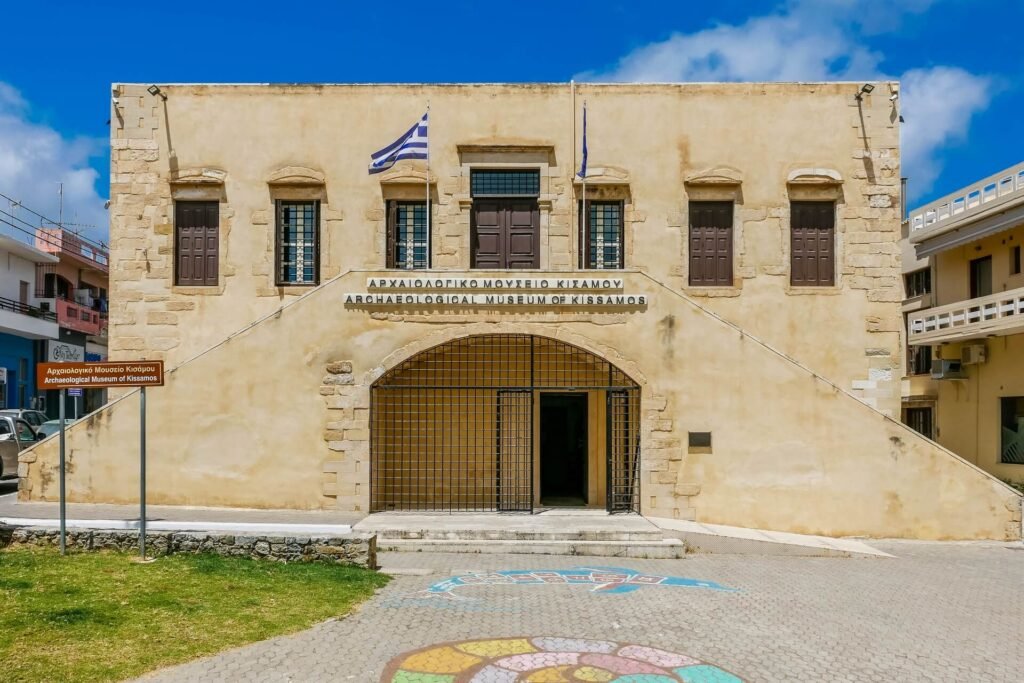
(15, 436)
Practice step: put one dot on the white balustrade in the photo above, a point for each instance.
(969, 319)
(972, 199)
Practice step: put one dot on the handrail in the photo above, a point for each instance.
(31, 311)
(999, 188)
(977, 315)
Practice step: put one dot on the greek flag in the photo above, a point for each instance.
(412, 145)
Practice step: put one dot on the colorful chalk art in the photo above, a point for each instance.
(602, 580)
(549, 660)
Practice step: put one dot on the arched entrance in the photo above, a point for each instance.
(504, 422)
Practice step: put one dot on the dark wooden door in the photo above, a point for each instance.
(197, 243)
(506, 234)
(812, 244)
(710, 244)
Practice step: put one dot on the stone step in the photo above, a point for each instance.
(519, 535)
(662, 549)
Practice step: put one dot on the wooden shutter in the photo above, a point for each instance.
(522, 227)
(584, 221)
(392, 230)
(505, 234)
(711, 244)
(813, 239)
(488, 234)
(197, 243)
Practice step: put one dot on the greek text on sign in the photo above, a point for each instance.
(141, 373)
(496, 283)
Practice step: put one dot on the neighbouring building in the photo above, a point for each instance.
(713, 332)
(965, 322)
(26, 325)
(74, 287)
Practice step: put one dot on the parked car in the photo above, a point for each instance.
(15, 436)
(34, 417)
(53, 426)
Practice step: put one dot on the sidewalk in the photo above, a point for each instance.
(177, 517)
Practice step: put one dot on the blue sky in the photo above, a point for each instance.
(959, 60)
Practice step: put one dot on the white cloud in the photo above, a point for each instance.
(939, 103)
(34, 158)
(815, 41)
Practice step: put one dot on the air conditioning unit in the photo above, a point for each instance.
(947, 369)
(972, 354)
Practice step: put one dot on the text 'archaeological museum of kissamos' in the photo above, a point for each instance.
(704, 324)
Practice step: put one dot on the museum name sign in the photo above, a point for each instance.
(492, 291)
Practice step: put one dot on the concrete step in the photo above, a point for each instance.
(662, 549)
(519, 535)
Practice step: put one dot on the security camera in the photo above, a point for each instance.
(115, 100)
(893, 97)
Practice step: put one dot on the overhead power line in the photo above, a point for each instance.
(46, 239)
(57, 224)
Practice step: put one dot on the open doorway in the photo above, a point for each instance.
(563, 449)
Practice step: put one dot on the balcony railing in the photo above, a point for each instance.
(1001, 188)
(58, 241)
(997, 314)
(32, 311)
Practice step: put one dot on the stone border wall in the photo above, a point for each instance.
(355, 549)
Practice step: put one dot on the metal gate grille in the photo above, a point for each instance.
(452, 428)
(623, 451)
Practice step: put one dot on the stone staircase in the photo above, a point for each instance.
(570, 532)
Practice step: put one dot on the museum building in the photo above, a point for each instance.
(703, 325)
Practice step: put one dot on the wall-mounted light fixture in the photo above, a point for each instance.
(864, 90)
(156, 92)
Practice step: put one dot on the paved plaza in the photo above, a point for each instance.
(934, 612)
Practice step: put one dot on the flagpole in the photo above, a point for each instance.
(429, 240)
(584, 213)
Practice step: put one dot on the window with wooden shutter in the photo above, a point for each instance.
(711, 244)
(812, 227)
(601, 242)
(407, 235)
(196, 243)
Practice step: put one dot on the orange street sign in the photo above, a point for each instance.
(136, 373)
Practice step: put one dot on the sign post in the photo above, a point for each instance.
(142, 472)
(106, 375)
(63, 498)
(76, 394)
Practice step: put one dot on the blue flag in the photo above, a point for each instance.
(583, 166)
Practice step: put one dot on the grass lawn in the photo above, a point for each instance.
(102, 617)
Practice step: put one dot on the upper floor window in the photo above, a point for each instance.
(919, 360)
(812, 230)
(711, 244)
(981, 277)
(601, 243)
(504, 182)
(407, 235)
(297, 254)
(196, 243)
(1015, 260)
(917, 283)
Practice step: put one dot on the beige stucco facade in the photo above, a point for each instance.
(268, 401)
(968, 410)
